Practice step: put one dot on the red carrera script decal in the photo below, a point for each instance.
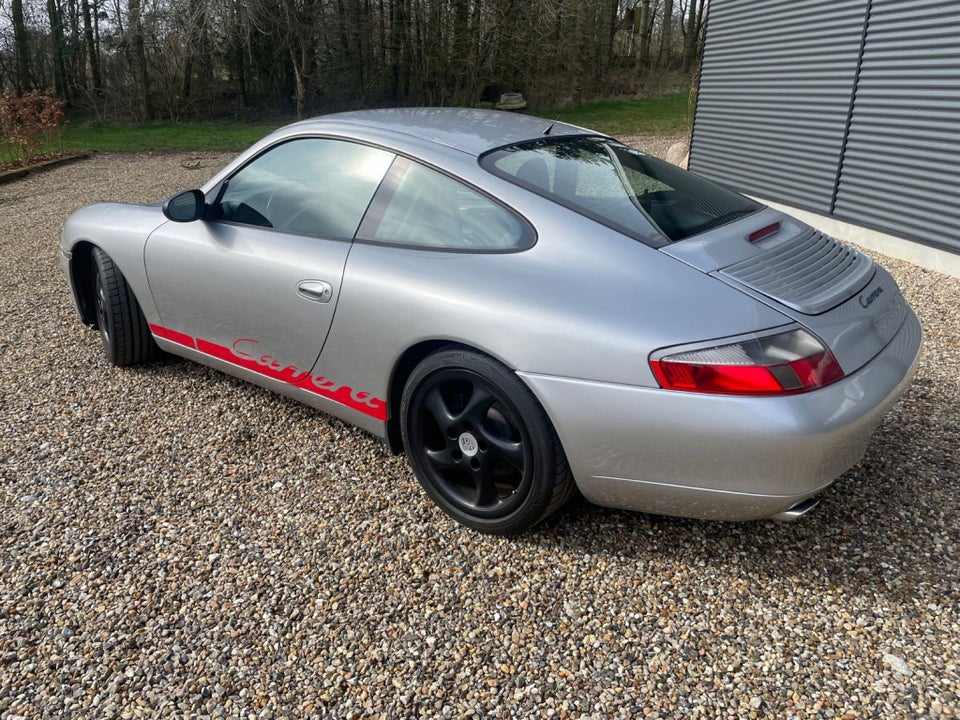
(244, 353)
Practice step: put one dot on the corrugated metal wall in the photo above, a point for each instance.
(848, 108)
(775, 90)
(901, 169)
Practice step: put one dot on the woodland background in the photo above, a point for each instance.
(173, 60)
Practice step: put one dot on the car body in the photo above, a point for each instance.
(385, 266)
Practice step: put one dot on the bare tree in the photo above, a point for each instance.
(144, 58)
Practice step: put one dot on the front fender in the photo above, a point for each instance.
(121, 231)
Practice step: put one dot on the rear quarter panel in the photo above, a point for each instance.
(584, 302)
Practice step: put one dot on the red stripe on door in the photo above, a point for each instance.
(173, 336)
(246, 355)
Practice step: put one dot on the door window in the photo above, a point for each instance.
(310, 186)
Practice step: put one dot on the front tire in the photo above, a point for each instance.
(481, 445)
(126, 337)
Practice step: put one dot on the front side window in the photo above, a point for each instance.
(311, 186)
(421, 207)
(619, 186)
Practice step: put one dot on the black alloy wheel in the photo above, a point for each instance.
(481, 445)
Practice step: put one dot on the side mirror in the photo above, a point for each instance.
(185, 207)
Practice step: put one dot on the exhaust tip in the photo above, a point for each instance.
(797, 511)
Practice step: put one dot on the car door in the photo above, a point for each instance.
(257, 283)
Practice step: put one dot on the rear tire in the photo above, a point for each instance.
(481, 445)
(126, 337)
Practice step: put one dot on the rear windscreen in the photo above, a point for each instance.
(619, 186)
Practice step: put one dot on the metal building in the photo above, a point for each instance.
(849, 109)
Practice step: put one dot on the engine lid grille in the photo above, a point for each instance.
(810, 274)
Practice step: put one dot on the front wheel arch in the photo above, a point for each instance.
(124, 331)
(81, 273)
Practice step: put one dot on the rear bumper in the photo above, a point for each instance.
(722, 457)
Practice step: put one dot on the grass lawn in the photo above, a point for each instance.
(616, 117)
(181, 136)
(626, 117)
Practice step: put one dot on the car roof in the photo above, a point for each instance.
(470, 130)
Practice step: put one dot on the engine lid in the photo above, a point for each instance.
(782, 259)
(812, 273)
(834, 290)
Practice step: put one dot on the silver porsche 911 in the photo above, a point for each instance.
(526, 308)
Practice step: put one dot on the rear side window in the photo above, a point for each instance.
(619, 186)
(420, 207)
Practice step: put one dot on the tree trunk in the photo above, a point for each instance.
(55, 15)
(135, 28)
(300, 90)
(342, 23)
(193, 39)
(646, 25)
(460, 53)
(612, 34)
(401, 31)
(691, 36)
(93, 57)
(666, 37)
(239, 47)
(77, 75)
(186, 86)
(22, 76)
(240, 67)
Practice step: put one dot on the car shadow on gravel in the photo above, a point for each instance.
(878, 531)
(882, 528)
(899, 503)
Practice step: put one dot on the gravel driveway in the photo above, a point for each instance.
(176, 543)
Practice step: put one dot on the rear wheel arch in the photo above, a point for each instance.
(480, 442)
(404, 367)
(402, 370)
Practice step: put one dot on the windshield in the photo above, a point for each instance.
(619, 187)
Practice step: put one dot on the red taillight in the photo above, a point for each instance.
(789, 362)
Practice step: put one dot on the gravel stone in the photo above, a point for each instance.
(204, 548)
(898, 664)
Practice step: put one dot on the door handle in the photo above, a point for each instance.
(316, 290)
